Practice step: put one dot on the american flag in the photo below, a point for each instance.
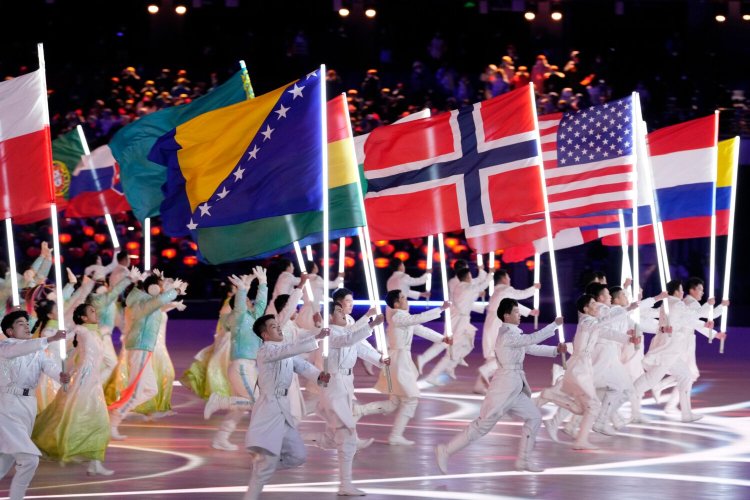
(589, 159)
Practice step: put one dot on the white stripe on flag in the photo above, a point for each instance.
(23, 102)
(683, 167)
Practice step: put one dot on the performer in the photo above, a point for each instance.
(337, 398)
(509, 391)
(285, 283)
(22, 360)
(312, 306)
(404, 393)
(243, 371)
(399, 280)
(76, 424)
(272, 434)
(143, 315)
(492, 323)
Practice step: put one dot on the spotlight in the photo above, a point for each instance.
(344, 12)
(721, 12)
(556, 16)
(152, 8)
(555, 11)
(529, 15)
(745, 10)
(746, 17)
(180, 10)
(371, 12)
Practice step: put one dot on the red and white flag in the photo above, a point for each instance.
(25, 147)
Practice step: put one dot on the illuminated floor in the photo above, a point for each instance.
(171, 458)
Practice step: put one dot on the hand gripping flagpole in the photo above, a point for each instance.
(730, 239)
(548, 224)
(87, 161)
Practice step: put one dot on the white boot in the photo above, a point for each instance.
(444, 451)
(114, 423)
(674, 399)
(364, 443)
(396, 437)
(602, 421)
(374, 408)
(685, 407)
(346, 488)
(221, 442)
(96, 467)
(523, 462)
(553, 423)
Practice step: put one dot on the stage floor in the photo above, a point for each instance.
(171, 458)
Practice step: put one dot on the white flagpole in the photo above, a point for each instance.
(712, 240)
(309, 253)
(147, 244)
(548, 224)
(537, 277)
(730, 240)
(303, 270)
(12, 263)
(324, 188)
(444, 279)
(87, 160)
(491, 264)
(430, 251)
(342, 258)
(55, 235)
(625, 271)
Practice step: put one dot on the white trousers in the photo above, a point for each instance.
(243, 375)
(26, 465)
(293, 454)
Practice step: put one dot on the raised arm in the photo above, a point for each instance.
(276, 351)
(406, 320)
(519, 340)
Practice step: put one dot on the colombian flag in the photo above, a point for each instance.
(727, 171)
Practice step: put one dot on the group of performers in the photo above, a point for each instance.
(262, 345)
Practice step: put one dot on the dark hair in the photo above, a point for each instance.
(500, 274)
(122, 256)
(150, 280)
(283, 264)
(79, 313)
(615, 291)
(11, 317)
(460, 264)
(395, 264)
(260, 324)
(506, 307)
(392, 297)
(673, 286)
(43, 309)
(3, 268)
(339, 294)
(583, 301)
(595, 289)
(332, 306)
(693, 282)
(461, 273)
(280, 301)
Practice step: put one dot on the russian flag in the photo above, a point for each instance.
(95, 187)
(25, 150)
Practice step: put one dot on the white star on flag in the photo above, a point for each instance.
(253, 153)
(281, 112)
(312, 74)
(238, 173)
(192, 226)
(296, 91)
(205, 209)
(223, 193)
(267, 132)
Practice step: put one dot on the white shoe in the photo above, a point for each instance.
(656, 392)
(213, 404)
(348, 490)
(604, 429)
(115, 434)
(433, 381)
(528, 466)
(618, 422)
(96, 467)
(551, 430)
(220, 443)
(691, 418)
(399, 441)
(364, 443)
(441, 455)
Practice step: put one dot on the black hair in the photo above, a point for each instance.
(460, 264)
(11, 318)
(499, 274)
(395, 264)
(583, 301)
(79, 312)
(673, 286)
(595, 289)
(332, 306)
(392, 297)
(339, 294)
(260, 324)
(280, 302)
(615, 291)
(461, 273)
(150, 280)
(693, 282)
(122, 256)
(506, 307)
(43, 309)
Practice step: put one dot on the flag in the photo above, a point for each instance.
(472, 166)
(95, 187)
(589, 159)
(252, 160)
(141, 178)
(728, 162)
(25, 152)
(274, 235)
(683, 161)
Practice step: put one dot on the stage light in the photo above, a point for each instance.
(555, 11)
(745, 10)
(529, 15)
(169, 253)
(180, 10)
(556, 15)
(152, 8)
(721, 12)
(155, 230)
(371, 12)
(720, 18)
(344, 12)
(190, 260)
(65, 238)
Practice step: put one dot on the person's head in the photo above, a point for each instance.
(502, 277)
(397, 265)
(314, 267)
(619, 297)
(508, 311)
(85, 313)
(123, 258)
(280, 302)
(600, 292)
(397, 300)
(267, 328)
(464, 274)
(45, 310)
(151, 285)
(586, 304)
(695, 288)
(15, 325)
(338, 316)
(345, 297)
(674, 289)
(286, 265)
(460, 264)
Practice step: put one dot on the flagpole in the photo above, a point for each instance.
(147, 244)
(55, 229)
(249, 93)
(548, 225)
(12, 263)
(342, 258)
(324, 190)
(87, 160)
(308, 250)
(303, 270)
(491, 264)
(444, 280)
(430, 251)
(639, 146)
(712, 240)
(537, 277)
(730, 240)
(625, 271)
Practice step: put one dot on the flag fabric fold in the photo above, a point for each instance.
(26, 183)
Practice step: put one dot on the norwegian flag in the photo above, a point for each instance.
(469, 167)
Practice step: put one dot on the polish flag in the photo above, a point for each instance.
(25, 147)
